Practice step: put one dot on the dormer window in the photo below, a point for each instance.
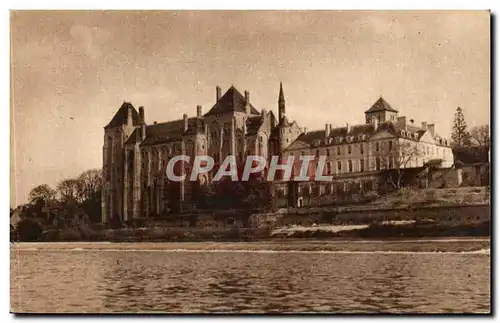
(403, 133)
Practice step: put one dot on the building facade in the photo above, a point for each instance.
(135, 154)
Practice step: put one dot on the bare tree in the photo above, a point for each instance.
(481, 135)
(67, 189)
(88, 184)
(42, 193)
(406, 152)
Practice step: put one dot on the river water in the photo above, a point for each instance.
(240, 278)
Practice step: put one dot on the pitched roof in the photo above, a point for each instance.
(356, 130)
(231, 101)
(381, 105)
(164, 132)
(121, 116)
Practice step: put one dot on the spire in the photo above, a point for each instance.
(281, 104)
(281, 97)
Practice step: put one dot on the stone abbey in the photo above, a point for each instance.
(135, 153)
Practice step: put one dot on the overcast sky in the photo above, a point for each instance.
(72, 70)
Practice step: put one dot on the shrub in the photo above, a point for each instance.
(29, 230)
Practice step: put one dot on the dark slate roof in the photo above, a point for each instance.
(231, 101)
(167, 131)
(355, 131)
(121, 116)
(381, 105)
(164, 132)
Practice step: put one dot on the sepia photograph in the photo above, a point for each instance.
(250, 161)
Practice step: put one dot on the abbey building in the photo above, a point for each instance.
(136, 153)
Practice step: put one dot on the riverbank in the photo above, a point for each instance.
(468, 245)
(183, 234)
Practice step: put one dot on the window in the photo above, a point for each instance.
(339, 166)
(390, 163)
(361, 149)
(390, 145)
(361, 165)
(338, 150)
(377, 163)
(377, 146)
(349, 149)
(317, 153)
(328, 168)
(328, 153)
(350, 166)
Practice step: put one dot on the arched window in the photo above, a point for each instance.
(361, 149)
(349, 149)
(377, 146)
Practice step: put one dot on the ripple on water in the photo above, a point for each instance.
(249, 282)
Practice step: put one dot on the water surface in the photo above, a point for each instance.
(238, 277)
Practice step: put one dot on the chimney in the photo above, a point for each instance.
(198, 110)
(129, 116)
(185, 117)
(217, 93)
(247, 97)
(263, 113)
(430, 128)
(424, 125)
(305, 129)
(327, 130)
(141, 114)
(143, 131)
(348, 127)
(402, 122)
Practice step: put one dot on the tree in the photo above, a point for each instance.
(88, 185)
(28, 230)
(481, 135)
(88, 193)
(41, 193)
(406, 152)
(67, 189)
(460, 135)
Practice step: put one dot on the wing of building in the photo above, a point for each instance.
(135, 154)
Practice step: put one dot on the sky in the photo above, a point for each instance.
(72, 70)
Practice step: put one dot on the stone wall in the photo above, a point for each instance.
(441, 214)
